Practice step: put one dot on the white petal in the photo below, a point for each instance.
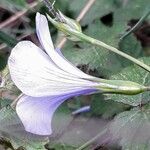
(45, 39)
(35, 75)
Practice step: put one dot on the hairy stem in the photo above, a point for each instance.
(98, 43)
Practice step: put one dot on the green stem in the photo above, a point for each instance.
(98, 43)
(92, 140)
(69, 30)
(137, 25)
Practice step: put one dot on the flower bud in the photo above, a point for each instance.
(66, 25)
(121, 87)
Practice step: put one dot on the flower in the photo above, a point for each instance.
(46, 78)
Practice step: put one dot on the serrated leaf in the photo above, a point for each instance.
(12, 129)
(132, 129)
(130, 46)
(136, 74)
(105, 61)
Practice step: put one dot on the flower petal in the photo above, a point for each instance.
(36, 113)
(35, 75)
(43, 34)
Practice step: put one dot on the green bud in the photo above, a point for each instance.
(66, 25)
(121, 87)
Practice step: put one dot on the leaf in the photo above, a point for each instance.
(132, 47)
(103, 60)
(5, 38)
(136, 74)
(96, 58)
(132, 129)
(12, 129)
(106, 108)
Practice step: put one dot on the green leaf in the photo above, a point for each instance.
(131, 128)
(5, 38)
(136, 74)
(12, 129)
(106, 108)
(104, 61)
(131, 46)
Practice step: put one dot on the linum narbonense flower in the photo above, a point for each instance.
(47, 79)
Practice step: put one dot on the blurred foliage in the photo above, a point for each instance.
(107, 21)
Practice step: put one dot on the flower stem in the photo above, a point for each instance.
(98, 43)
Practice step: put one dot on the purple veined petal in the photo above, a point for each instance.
(43, 34)
(35, 75)
(36, 113)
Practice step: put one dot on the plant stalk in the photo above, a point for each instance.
(98, 43)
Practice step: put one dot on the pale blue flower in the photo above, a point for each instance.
(46, 78)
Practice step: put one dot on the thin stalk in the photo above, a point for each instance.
(98, 43)
(77, 34)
